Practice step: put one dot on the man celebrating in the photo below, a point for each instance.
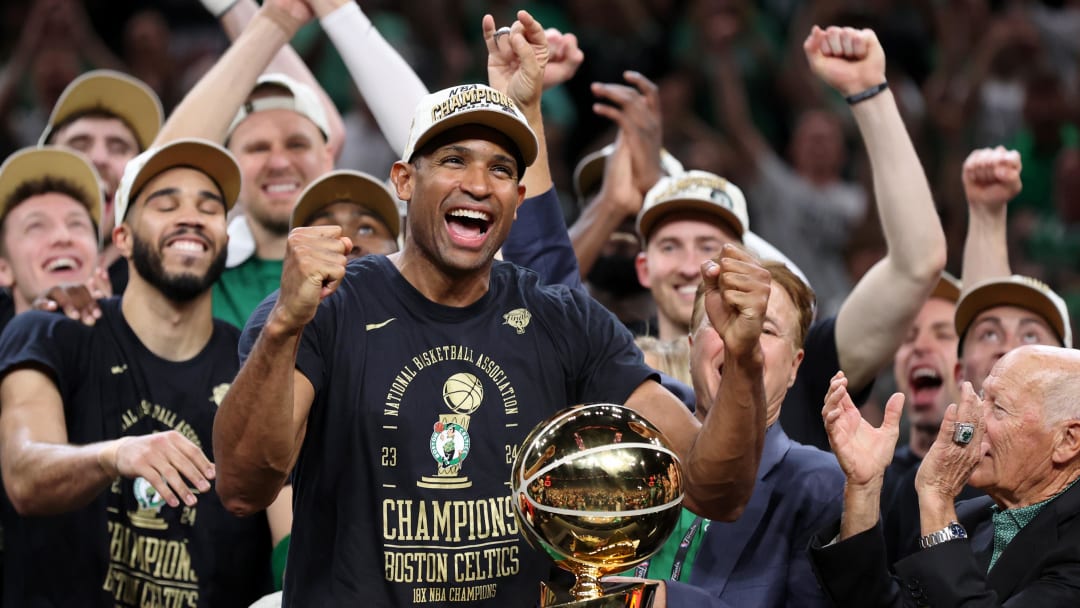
(1020, 444)
(109, 117)
(105, 431)
(349, 374)
(48, 223)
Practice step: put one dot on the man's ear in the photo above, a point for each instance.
(7, 273)
(641, 265)
(521, 198)
(1067, 444)
(401, 175)
(121, 237)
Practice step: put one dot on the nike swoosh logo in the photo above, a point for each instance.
(371, 326)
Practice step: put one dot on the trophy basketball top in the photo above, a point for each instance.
(598, 489)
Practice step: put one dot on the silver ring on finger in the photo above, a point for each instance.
(502, 31)
(962, 433)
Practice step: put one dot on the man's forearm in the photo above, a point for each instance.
(390, 87)
(256, 430)
(48, 479)
(724, 458)
(209, 108)
(986, 250)
(916, 243)
(537, 178)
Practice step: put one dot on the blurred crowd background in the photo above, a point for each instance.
(967, 74)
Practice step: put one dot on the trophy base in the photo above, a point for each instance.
(616, 595)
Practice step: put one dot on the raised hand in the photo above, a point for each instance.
(948, 464)
(991, 178)
(315, 258)
(564, 58)
(864, 452)
(636, 111)
(165, 460)
(618, 185)
(847, 59)
(516, 61)
(77, 301)
(736, 297)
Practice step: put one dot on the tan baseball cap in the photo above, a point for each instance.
(130, 99)
(50, 161)
(470, 104)
(352, 186)
(694, 191)
(1016, 290)
(947, 288)
(301, 99)
(200, 154)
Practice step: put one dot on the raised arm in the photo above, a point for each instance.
(516, 65)
(991, 179)
(390, 87)
(287, 61)
(864, 452)
(629, 171)
(720, 456)
(260, 426)
(45, 475)
(874, 317)
(209, 108)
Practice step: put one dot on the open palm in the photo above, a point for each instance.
(863, 451)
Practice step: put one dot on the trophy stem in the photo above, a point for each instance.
(586, 584)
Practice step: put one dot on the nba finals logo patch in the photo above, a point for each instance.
(518, 319)
(449, 444)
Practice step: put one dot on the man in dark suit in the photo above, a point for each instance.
(1020, 443)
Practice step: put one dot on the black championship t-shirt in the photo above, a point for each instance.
(402, 484)
(127, 547)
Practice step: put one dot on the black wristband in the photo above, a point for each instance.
(867, 94)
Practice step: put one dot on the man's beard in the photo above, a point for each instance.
(273, 225)
(181, 288)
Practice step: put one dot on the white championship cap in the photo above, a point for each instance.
(694, 191)
(470, 104)
(301, 99)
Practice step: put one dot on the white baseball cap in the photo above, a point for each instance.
(694, 191)
(301, 99)
(470, 104)
(213, 160)
(1016, 290)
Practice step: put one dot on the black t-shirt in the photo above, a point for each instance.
(127, 547)
(801, 413)
(402, 490)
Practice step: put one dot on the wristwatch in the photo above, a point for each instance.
(952, 531)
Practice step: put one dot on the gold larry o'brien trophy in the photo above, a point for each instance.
(597, 488)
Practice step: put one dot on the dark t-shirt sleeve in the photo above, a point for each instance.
(539, 241)
(601, 354)
(34, 338)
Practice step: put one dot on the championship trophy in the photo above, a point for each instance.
(597, 489)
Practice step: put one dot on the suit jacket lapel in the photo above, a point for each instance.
(724, 541)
